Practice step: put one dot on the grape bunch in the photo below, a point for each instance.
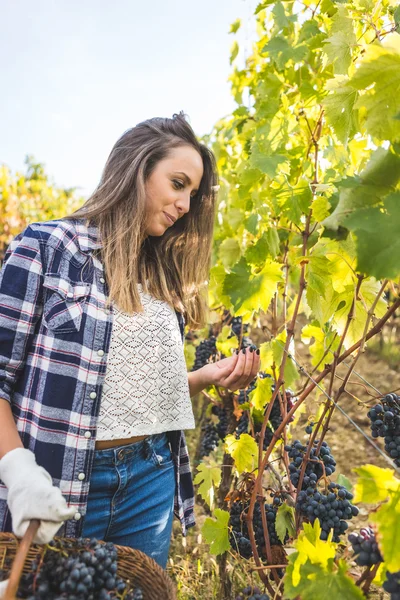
(86, 570)
(247, 343)
(236, 325)
(239, 534)
(222, 425)
(204, 351)
(243, 423)
(331, 506)
(385, 422)
(365, 547)
(392, 585)
(209, 439)
(252, 593)
(314, 469)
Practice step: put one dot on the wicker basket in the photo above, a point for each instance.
(133, 566)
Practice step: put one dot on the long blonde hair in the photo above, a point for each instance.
(175, 265)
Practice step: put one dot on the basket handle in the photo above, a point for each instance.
(19, 560)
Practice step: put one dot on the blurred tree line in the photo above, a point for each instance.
(29, 197)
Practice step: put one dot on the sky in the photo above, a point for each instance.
(76, 74)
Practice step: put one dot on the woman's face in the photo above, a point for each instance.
(170, 187)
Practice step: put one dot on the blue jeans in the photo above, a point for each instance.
(131, 497)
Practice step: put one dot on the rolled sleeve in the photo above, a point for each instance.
(21, 304)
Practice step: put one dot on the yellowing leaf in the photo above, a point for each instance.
(323, 347)
(190, 355)
(374, 484)
(248, 292)
(278, 346)
(244, 451)
(225, 345)
(319, 583)
(311, 547)
(215, 532)
(387, 519)
(261, 395)
(320, 206)
(207, 478)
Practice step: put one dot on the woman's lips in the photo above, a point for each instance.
(170, 220)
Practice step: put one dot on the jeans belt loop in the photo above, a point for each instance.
(148, 446)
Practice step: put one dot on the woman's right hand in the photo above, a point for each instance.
(32, 495)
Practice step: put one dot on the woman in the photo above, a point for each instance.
(94, 393)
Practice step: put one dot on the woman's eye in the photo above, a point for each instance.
(178, 184)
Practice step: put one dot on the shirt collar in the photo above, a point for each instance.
(88, 238)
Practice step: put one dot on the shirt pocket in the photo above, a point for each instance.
(64, 303)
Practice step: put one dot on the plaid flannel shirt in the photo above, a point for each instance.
(55, 335)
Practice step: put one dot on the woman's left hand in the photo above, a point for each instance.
(235, 372)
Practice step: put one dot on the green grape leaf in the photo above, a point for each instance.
(396, 15)
(342, 480)
(285, 522)
(338, 51)
(235, 26)
(308, 30)
(263, 5)
(256, 253)
(339, 107)
(235, 218)
(368, 291)
(387, 519)
(262, 393)
(244, 451)
(296, 202)
(377, 179)
(267, 164)
(248, 292)
(378, 240)
(229, 252)
(266, 245)
(252, 224)
(319, 271)
(339, 44)
(280, 17)
(281, 51)
(374, 484)
(323, 343)
(273, 352)
(207, 478)
(215, 287)
(216, 533)
(234, 51)
(317, 583)
(379, 71)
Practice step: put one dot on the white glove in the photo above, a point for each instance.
(32, 495)
(3, 587)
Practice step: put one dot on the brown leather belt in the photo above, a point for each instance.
(104, 444)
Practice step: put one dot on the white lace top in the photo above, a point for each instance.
(146, 389)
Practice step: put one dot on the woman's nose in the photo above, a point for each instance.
(183, 204)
